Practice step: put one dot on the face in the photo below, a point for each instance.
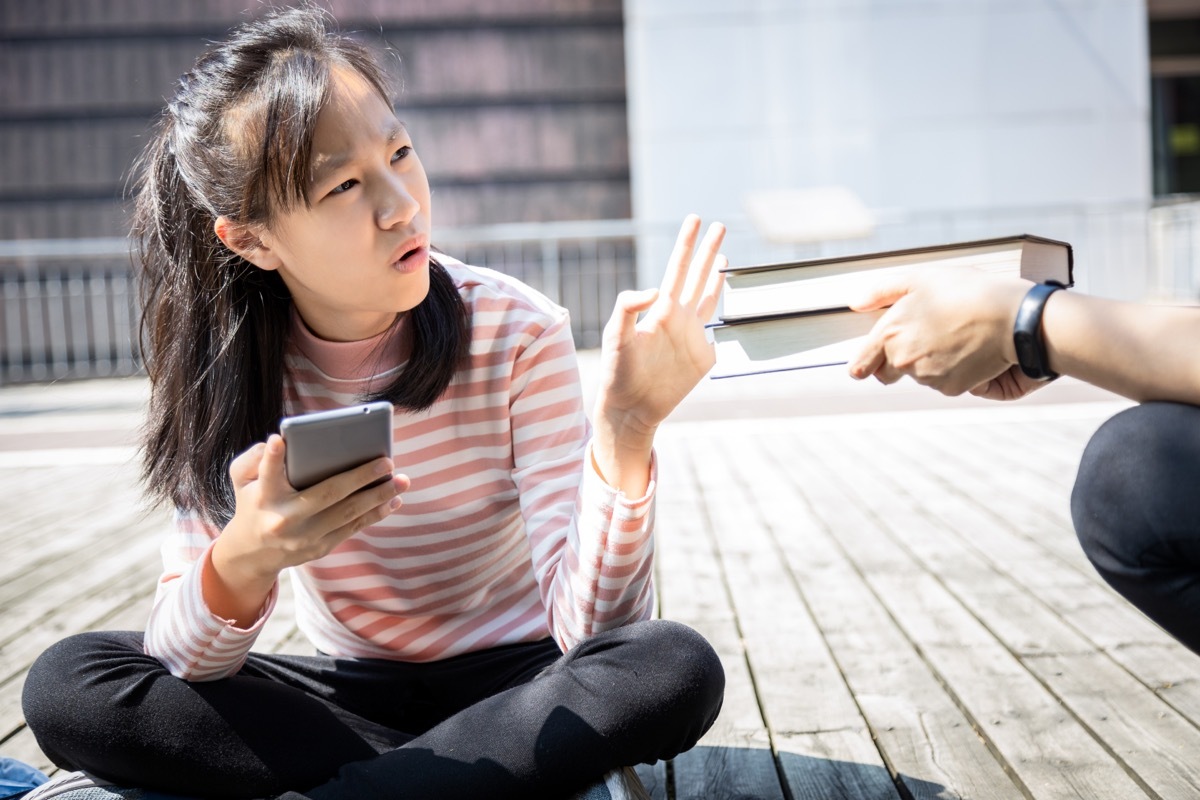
(359, 253)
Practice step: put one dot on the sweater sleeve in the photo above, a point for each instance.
(592, 546)
(190, 640)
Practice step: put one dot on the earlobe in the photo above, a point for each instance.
(242, 240)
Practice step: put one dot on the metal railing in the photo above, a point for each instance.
(1175, 251)
(68, 308)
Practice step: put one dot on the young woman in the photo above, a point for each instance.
(1136, 502)
(489, 637)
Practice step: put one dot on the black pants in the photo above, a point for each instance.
(516, 721)
(1136, 508)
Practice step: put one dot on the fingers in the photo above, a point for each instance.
(887, 374)
(272, 461)
(988, 390)
(681, 258)
(712, 294)
(873, 354)
(271, 473)
(361, 510)
(337, 488)
(625, 312)
(244, 468)
(883, 293)
(701, 266)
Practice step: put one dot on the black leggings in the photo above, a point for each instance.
(517, 721)
(1136, 508)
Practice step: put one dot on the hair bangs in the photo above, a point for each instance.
(273, 132)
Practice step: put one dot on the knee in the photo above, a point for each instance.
(689, 669)
(1128, 477)
(59, 687)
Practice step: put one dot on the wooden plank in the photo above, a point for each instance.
(33, 503)
(925, 738)
(734, 758)
(23, 747)
(809, 709)
(1076, 594)
(1040, 516)
(1160, 746)
(1044, 747)
(86, 612)
(1043, 513)
(127, 613)
(1169, 671)
(94, 571)
(1027, 627)
(48, 540)
(1043, 550)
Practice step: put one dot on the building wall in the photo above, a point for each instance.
(961, 110)
(517, 106)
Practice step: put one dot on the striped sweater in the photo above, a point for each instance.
(507, 534)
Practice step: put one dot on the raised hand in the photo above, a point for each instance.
(649, 365)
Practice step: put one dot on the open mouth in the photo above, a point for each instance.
(411, 259)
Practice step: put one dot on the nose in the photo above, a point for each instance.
(396, 203)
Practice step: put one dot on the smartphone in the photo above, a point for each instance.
(325, 443)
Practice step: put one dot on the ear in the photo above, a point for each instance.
(241, 239)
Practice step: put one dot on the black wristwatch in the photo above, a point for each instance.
(1027, 332)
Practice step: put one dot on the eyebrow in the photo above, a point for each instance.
(327, 164)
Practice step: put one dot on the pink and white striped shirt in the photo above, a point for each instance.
(507, 534)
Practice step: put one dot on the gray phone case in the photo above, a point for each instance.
(325, 443)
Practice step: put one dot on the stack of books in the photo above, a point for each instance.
(795, 315)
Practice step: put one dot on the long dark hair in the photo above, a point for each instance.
(236, 141)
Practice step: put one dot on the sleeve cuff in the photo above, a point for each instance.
(601, 494)
(224, 630)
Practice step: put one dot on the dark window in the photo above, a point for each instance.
(1175, 105)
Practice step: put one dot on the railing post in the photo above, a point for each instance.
(551, 269)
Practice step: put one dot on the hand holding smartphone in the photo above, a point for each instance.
(324, 443)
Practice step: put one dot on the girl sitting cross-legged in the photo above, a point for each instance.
(491, 636)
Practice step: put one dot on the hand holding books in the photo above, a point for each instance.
(949, 329)
(797, 315)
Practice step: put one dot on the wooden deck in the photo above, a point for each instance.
(898, 598)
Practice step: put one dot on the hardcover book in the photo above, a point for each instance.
(795, 315)
(828, 283)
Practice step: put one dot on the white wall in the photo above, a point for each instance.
(966, 111)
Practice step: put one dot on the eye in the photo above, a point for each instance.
(343, 186)
(402, 153)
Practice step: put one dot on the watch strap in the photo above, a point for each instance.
(1027, 332)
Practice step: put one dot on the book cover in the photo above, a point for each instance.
(829, 283)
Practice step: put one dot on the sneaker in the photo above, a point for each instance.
(619, 784)
(82, 786)
(73, 786)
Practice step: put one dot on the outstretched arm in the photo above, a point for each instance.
(951, 329)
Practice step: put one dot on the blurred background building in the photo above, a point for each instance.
(565, 139)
